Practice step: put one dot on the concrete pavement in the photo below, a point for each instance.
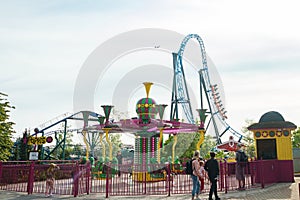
(279, 191)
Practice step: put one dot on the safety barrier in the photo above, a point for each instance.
(14, 176)
(126, 180)
(30, 177)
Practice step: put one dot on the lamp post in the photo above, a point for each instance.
(107, 110)
(85, 115)
(160, 109)
(101, 121)
(201, 129)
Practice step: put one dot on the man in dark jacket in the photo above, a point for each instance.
(240, 167)
(212, 168)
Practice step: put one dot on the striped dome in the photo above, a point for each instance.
(145, 108)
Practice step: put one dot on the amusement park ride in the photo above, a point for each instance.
(147, 129)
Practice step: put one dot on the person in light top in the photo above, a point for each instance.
(196, 175)
(50, 175)
(202, 175)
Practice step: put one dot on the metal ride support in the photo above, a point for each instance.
(174, 100)
(180, 93)
(61, 143)
(203, 86)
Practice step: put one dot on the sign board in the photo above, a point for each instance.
(33, 155)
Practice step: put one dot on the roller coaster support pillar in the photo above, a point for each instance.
(64, 143)
(174, 100)
(201, 139)
(108, 141)
(173, 148)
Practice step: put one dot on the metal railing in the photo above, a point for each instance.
(128, 179)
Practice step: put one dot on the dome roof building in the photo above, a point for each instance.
(271, 120)
(273, 141)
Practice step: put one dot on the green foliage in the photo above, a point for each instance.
(248, 139)
(296, 138)
(116, 143)
(220, 155)
(6, 128)
(206, 147)
(59, 137)
(16, 150)
(186, 145)
(183, 147)
(78, 150)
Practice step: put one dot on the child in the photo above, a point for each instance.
(50, 173)
(202, 175)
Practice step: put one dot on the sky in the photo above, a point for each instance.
(254, 45)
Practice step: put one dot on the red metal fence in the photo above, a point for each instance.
(30, 177)
(133, 180)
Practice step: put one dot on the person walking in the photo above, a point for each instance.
(240, 158)
(212, 168)
(50, 175)
(196, 175)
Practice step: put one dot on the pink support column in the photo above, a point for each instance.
(225, 169)
(76, 180)
(221, 170)
(0, 169)
(88, 174)
(261, 174)
(30, 178)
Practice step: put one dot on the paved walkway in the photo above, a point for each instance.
(280, 191)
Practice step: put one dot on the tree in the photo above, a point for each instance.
(296, 138)
(6, 128)
(186, 145)
(116, 142)
(208, 144)
(60, 153)
(78, 150)
(24, 146)
(248, 138)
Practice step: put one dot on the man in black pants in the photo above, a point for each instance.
(212, 167)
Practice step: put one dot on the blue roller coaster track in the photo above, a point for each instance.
(180, 94)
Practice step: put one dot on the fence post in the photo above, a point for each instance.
(251, 166)
(30, 178)
(169, 179)
(220, 181)
(88, 173)
(108, 172)
(76, 179)
(1, 171)
(299, 188)
(225, 176)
